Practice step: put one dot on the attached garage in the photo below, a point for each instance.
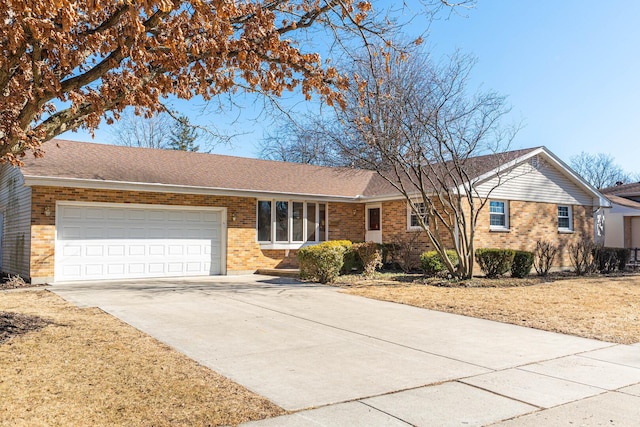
(122, 241)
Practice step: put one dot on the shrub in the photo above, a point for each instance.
(406, 251)
(322, 262)
(582, 256)
(522, 263)
(611, 259)
(432, 264)
(369, 253)
(494, 262)
(624, 256)
(351, 262)
(543, 257)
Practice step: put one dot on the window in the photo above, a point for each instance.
(264, 221)
(298, 222)
(285, 222)
(498, 215)
(282, 221)
(311, 222)
(564, 218)
(413, 222)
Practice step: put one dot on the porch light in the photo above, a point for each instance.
(233, 217)
(47, 211)
(354, 212)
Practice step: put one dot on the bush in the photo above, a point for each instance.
(522, 263)
(370, 255)
(322, 262)
(432, 264)
(405, 251)
(624, 256)
(494, 262)
(582, 256)
(543, 257)
(351, 262)
(609, 260)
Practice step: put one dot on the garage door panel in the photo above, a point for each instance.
(123, 242)
(94, 250)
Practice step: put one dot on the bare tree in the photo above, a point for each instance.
(137, 131)
(300, 142)
(416, 123)
(599, 170)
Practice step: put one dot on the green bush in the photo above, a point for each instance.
(522, 263)
(494, 262)
(611, 259)
(351, 262)
(370, 255)
(624, 255)
(322, 262)
(432, 264)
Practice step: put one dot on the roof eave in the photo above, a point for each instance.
(31, 181)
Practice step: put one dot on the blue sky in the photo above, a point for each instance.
(570, 70)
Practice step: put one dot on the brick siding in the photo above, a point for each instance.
(528, 223)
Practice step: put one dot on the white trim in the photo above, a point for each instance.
(290, 243)
(410, 213)
(505, 227)
(223, 222)
(570, 216)
(31, 181)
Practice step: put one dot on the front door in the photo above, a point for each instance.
(373, 224)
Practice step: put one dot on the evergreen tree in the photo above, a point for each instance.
(183, 136)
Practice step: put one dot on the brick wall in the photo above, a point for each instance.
(530, 222)
(243, 253)
(394, 226)
(346, 221)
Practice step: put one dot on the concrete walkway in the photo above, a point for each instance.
(337, 359)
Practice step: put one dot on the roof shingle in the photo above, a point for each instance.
(90, 161)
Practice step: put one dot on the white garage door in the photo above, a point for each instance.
(122, 242)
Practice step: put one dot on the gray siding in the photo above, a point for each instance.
(544, 184)
(15, 205)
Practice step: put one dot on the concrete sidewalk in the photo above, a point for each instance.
(364, 362)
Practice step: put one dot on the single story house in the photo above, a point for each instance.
(622, 221)
(90, 211)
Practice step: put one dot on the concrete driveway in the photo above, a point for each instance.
(363, 361)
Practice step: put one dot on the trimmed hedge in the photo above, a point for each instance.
(522, 264)
(494, 262)
(432, 264)
(609, 260)
(324, 261)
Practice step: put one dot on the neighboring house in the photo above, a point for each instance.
(92, 212)
(622, 221)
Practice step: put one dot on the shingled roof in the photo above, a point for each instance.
(99, 162)
(90, 162)
(624, 190)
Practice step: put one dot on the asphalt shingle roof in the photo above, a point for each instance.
(91, 161)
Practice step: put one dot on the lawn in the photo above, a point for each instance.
(72, 366)
(600, 307)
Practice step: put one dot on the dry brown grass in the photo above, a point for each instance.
(605, 308)
(88, 368)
